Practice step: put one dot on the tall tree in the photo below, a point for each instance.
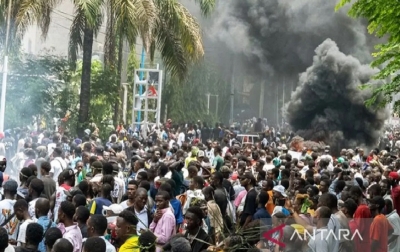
(85, 25)
(164, 25)
(382, 16)
(23, 14)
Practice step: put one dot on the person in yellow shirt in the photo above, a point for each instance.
(125, 230)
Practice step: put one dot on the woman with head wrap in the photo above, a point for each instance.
(302, 204)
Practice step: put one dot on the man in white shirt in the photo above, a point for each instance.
(58, 164)
(96, 227)
(181, 138)
(7, 209)
(22, 214)
(119, 185)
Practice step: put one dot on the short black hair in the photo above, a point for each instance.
(166, 187)
(80, 200)
(147, 240)
(95, 244)
(63, 245)
(129, 217)
(68, 209)
(144, 175)
(199, 180)
(46, 166)
(219, 176)
(196, 211)
(37, 185)
(99, 223)
(3, 238)
(52, 235)
(21, 204)
(263, 198)
(82, 213)
(34, 233)
(26, 172)
(145, 184)
(166, 195)
(107, 168)
(133, 182)
(329, 200)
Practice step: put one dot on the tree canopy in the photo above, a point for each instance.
(383, 19)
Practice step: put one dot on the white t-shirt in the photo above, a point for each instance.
(181, 139)
(119, 188)
(50, 148)
(7, 209)
(171, 143)
(60, 197)
(268, 167)
(57, 166)
(31, 209)
(22, 231)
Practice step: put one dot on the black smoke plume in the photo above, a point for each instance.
(278, 37)
(328, 104)
(270, 42)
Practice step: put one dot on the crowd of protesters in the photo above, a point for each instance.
(195, 188)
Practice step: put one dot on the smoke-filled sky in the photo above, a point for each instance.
(275, 40)
(328, 104)
(279, 36)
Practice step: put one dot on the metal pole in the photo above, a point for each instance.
(283, 100)
(141, 74)
(160, 82)
(125, 104)
(261, 105)
(232, 89)
(277, 106)
(5, 71)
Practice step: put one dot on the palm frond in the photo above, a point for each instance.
(172, 52)
(206, 6)
(92, 11)
(177, 29)
(30, 12)
(134, 18)
(76, 37)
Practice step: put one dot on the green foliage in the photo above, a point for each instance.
(382, 16)
(187, 100)
(104, 92)
(33, 89)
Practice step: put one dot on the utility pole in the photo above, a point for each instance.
(5, 71)
(124, 80)
(261, 105)
(232, 88)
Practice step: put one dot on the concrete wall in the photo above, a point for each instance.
(57, 39)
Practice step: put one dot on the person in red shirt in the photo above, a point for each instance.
(395, 193)
(362, 220)
(380, 228)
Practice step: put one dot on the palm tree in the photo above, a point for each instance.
(177, 35)
(130, 17)
(165, 25)
(23, 14)
(85, 25)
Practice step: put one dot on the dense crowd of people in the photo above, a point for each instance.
(186, 189)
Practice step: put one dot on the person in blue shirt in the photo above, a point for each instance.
(42, 208)
(262, 213)
(97, 204)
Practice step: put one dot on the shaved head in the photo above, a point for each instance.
(42, 207)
